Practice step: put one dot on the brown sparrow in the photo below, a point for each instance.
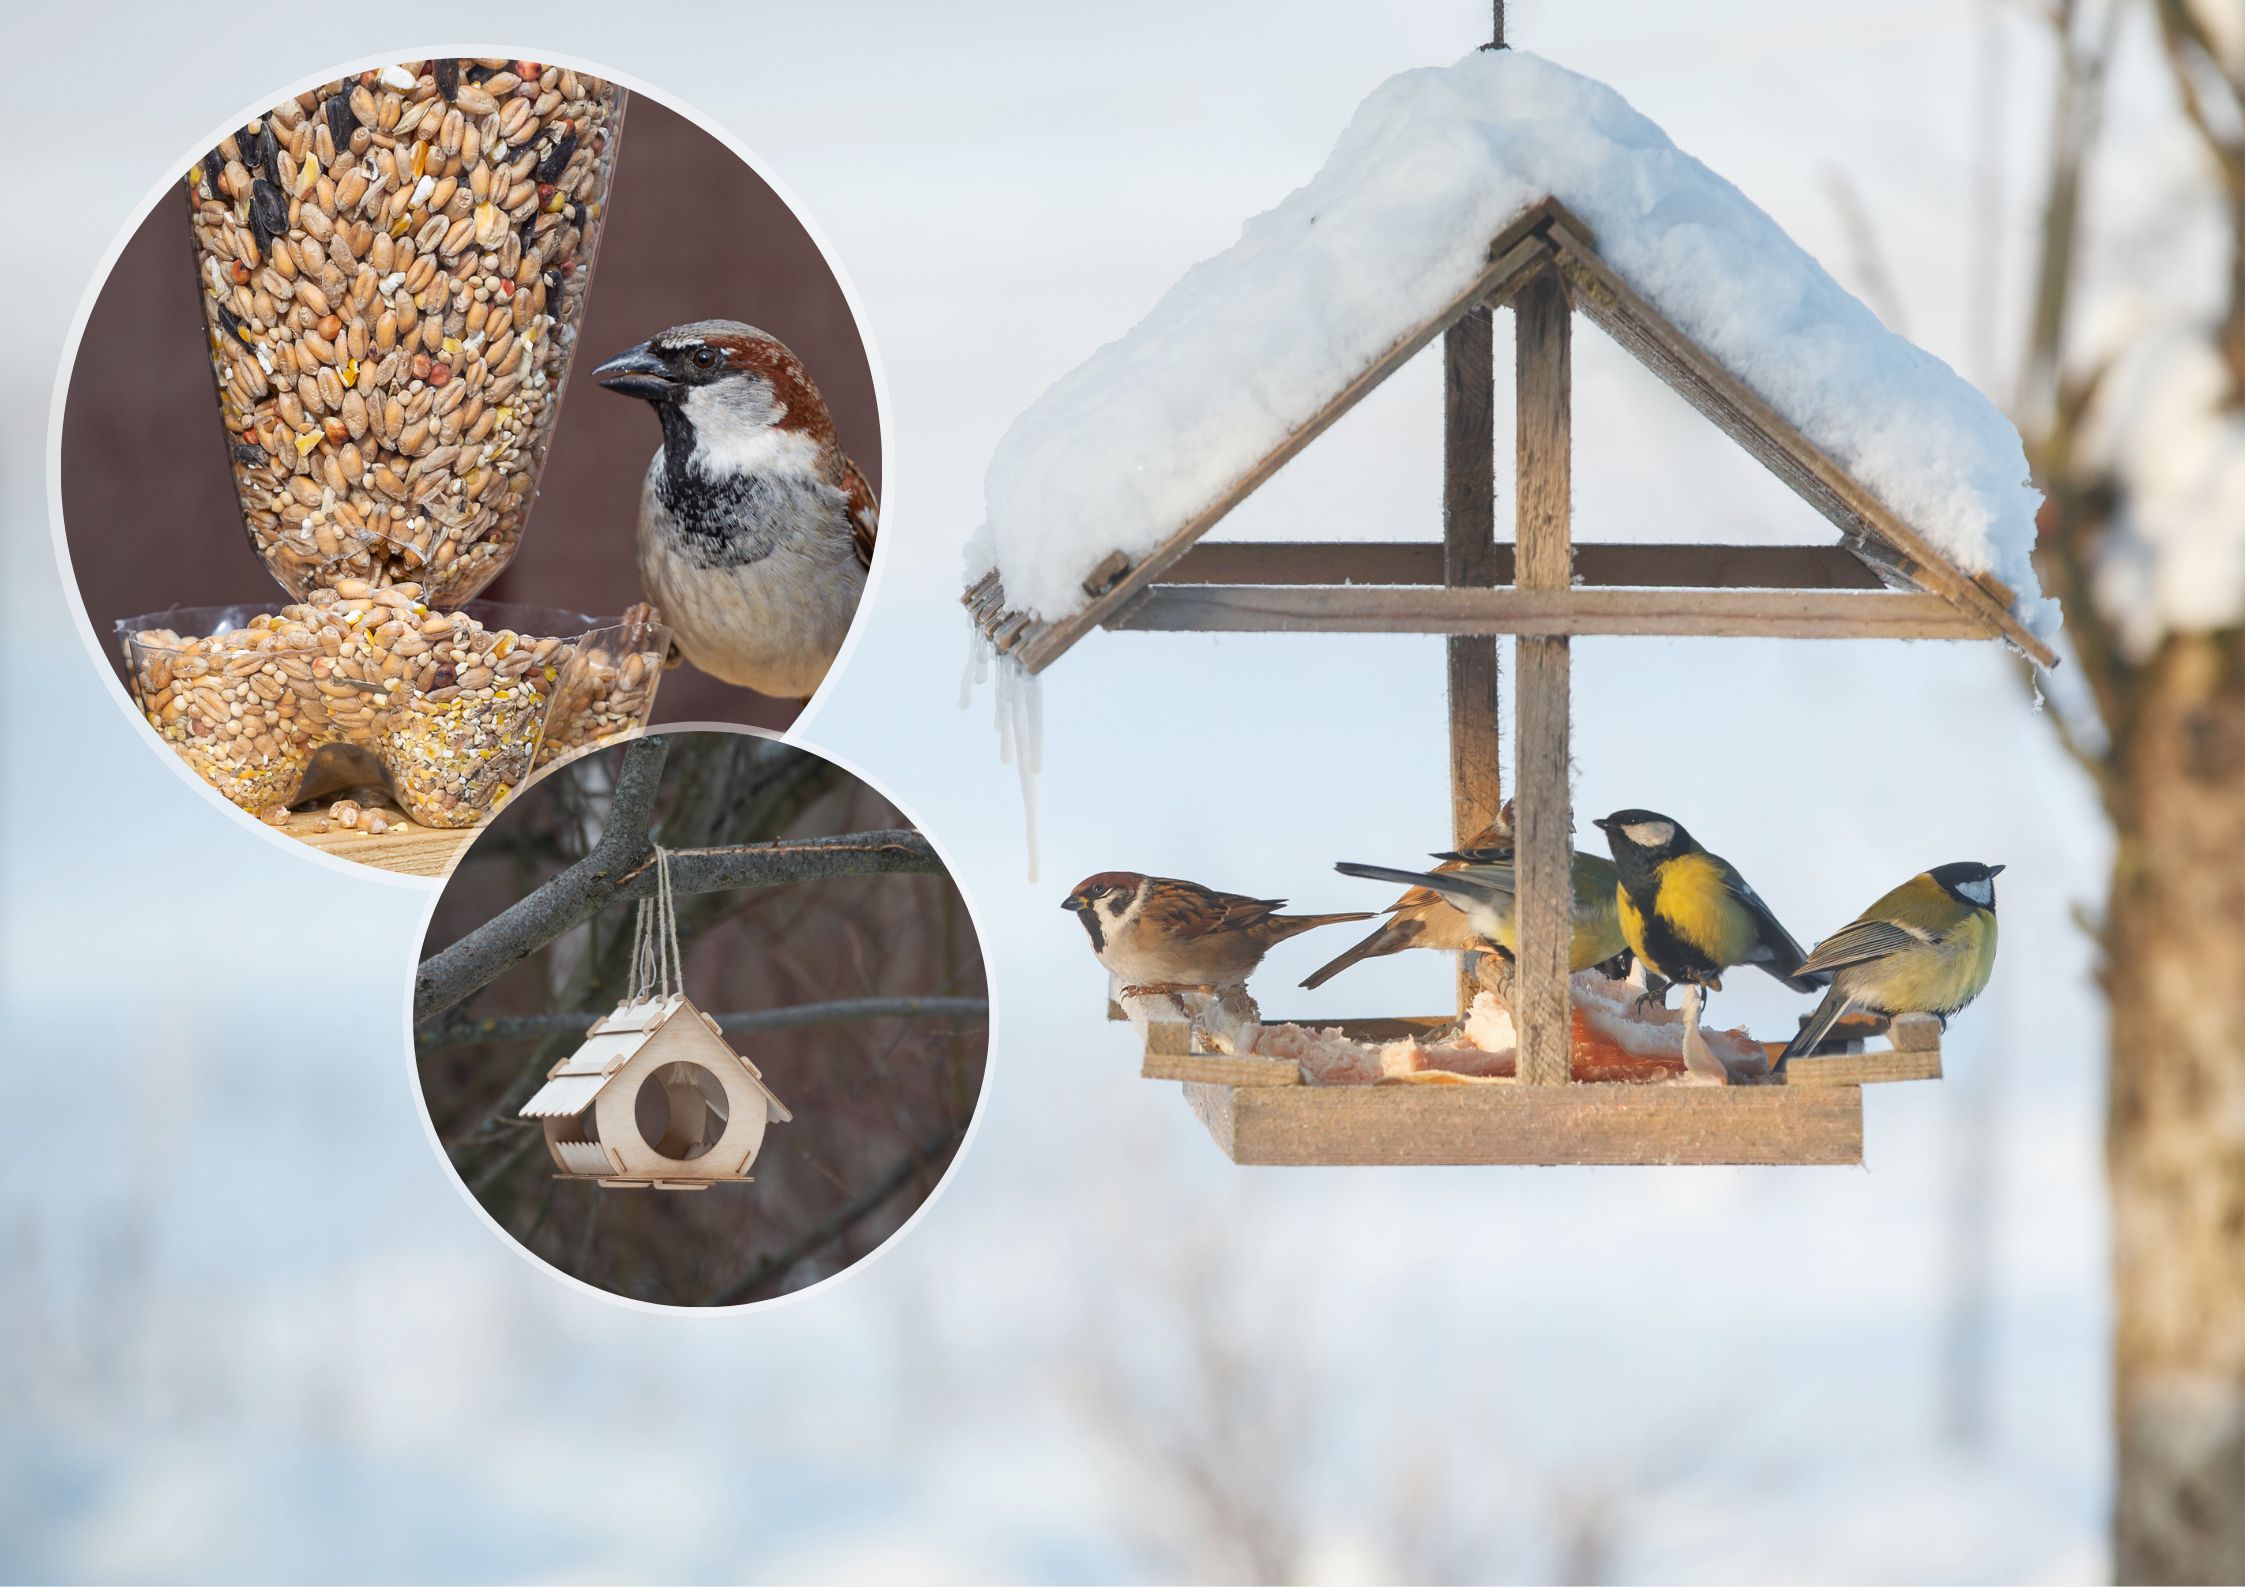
(1422, 918)
(755, 530)
(1155, 932)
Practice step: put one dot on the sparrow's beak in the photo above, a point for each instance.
(1074, 903)
(637, 372)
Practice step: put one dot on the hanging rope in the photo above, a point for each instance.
(655, 966)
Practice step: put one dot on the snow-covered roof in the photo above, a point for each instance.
(1247, 347)
(613, 1041)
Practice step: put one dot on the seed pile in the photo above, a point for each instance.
(393, 269)
(451, 709)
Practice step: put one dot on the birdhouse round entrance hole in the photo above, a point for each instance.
(681, 1111)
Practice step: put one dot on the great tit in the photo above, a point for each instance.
(1925, 948)
(1687, 913)
(1482, 887)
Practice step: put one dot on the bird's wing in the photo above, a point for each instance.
(1854, 944)
(1777, 951)
(1186, 910)
(865, 512)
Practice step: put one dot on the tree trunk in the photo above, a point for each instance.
(2175, 1128)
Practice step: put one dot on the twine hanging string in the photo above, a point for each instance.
(655, 968)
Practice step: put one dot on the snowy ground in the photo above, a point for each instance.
(250, 1331)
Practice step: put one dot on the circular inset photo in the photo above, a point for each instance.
(701, 1019)
(449, 416)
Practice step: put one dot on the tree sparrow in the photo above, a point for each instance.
(1155, 932)
(755, 530)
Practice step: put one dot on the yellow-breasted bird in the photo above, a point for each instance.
(1928, 947)
(1687, 913)
(1482, 889)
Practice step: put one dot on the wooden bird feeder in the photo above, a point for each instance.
(1884, 579)
(655, 1097)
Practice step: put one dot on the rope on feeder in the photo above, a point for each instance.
(655, 965)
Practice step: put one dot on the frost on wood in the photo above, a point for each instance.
(1020, 722)
(1244, 348)
(2174, 559)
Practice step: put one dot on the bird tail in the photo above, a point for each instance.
(1384, 873)
(1797, 980)
(1830, 1012)
(1393, 937)
(1295, 925)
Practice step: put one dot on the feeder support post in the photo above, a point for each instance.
(1543, 809)
(1469, 558)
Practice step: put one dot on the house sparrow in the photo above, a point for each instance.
(1421, 918)
(755, 531)
(1155, 932)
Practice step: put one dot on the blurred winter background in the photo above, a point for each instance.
(250, 1330)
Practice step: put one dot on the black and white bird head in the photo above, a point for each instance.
(1104, 903)
(1969, 881)
(1643, 835)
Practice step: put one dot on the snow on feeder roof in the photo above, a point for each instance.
(1110, 476)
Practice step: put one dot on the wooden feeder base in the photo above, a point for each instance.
(1259, 1110)
(1504, 1123)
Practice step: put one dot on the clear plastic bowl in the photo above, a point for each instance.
(450, 711)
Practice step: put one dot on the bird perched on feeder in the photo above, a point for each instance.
(1687, 913)
(1159, 933)
(1927, 947)
(1481, 886)
(755, 529)
(1422, 917)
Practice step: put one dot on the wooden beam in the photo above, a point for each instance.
(1516, 253)
(1217, 1069)
(1649, 566)
(1860, 1068)
(1720, 614)
(1507, 1123)
(1469, 535)
(1543, 829)
(1734, 407)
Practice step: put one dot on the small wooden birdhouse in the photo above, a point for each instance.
(655, 1097)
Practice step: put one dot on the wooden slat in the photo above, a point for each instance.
(407, 848)
(1733, 406)
(1532, 1125)
(1516, 252)
(1722, 614)
(1648, 566)
(1469, 530)
(1543, 830)
(1217, 1069)
(1861, 1068)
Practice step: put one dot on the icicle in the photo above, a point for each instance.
(1018, 715)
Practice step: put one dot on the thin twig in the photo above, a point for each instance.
(614, 874)
(536, 1027)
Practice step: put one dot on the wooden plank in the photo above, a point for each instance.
(408, 848)
(1648, 566)
(1217, 1069)
(1543, 822)
(1861, 1068)
(1617, 309)
(1469, 535)
(1532, 1125)
(1719, 614)
(1515, 253)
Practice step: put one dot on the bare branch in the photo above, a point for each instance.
(537, 1027)
(837, 1223)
